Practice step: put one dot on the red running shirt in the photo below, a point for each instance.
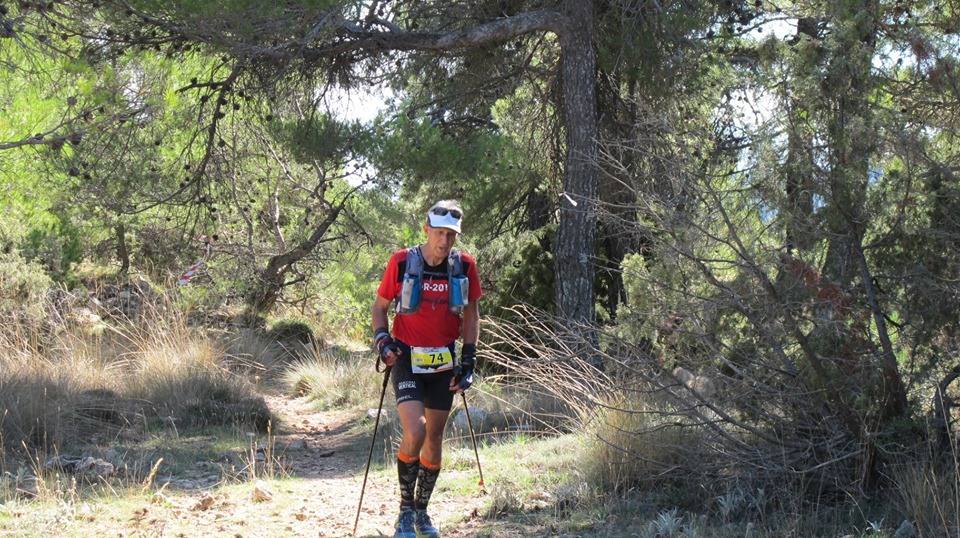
(433, 324)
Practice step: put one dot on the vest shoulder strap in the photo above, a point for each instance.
(454, 264)
(414, 261)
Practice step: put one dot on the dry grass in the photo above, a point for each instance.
(334, 378)
(253, 353)
(184, 374)
(928, 494)
(631, 445)
(70, 388)
(506, 408)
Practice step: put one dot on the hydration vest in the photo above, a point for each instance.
(458, 285)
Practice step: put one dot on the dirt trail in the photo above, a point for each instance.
(323, 454)
(329, 459)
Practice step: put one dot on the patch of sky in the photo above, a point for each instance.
(819, 202)
(133, 90)
(767, 213)
(753, 108)
(779, 26)
(361, 105)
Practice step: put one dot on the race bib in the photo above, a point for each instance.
(429, 360)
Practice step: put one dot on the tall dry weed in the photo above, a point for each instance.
(182, 374)
(631, 445)
(334, 377)
(928, 494)
(70, 387)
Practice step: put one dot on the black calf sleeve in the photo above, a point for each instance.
(426, 480)
(407, 473)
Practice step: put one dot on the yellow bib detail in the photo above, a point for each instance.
(428, 360)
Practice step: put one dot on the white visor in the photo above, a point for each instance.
(444, 221)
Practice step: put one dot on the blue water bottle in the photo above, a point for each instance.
(459, 293)
(409, 294)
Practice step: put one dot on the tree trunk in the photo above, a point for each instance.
(273, 278)
(577, 231)
(852, 137)
(895, 393)
(942, 406)
(798, 168)
(123, 253)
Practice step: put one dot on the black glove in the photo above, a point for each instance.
(387, 347)
(463, 372)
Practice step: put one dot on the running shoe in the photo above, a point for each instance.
(405, 527)
(424, 526)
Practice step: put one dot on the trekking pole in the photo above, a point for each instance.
(473, 436)
(386, 379)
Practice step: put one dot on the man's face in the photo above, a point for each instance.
(439, 241)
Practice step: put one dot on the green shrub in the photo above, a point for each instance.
(345, 289)
(57, 246)
(161, 251)
(292, 332)
(23, 286)
(524, 272)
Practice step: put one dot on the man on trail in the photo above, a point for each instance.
(436, 289)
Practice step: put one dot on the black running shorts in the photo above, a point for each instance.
(431, 389)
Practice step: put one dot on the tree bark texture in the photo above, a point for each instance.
(123, 253)
(577, 231)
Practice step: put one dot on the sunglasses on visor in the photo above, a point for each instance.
(442, 212)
